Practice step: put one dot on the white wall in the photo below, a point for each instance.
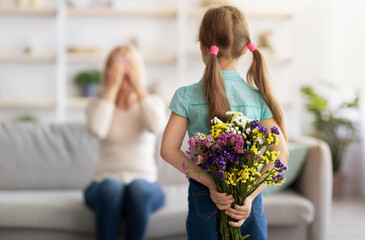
(307, 38)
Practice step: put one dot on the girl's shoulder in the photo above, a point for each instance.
(184, 97)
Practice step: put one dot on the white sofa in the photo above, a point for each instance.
(44, 168)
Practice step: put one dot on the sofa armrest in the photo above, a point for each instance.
(315, 183)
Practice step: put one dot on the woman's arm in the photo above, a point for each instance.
(99, 113)
(242, 212)
(154, 113)
(170, 151)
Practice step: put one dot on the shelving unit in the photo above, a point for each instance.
(27, 104)
(27, 58)
(99, 58)
(72, 103)
(108, 12)
(63, 15)
(12, 11)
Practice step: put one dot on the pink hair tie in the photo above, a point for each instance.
(214, 50)
(251, 47)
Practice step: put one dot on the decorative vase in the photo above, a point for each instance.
(90, 90)
(339, 179)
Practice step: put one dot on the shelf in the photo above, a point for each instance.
(199, 12)
(98, 58)
(27, 58)
(12, 11)
(77, 102)
(73, 103)
(22, 104)
(110, 12)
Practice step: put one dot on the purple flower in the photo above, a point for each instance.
(275, 130)
(278, 163)
(262, 129)
(278, 178)
(221, 176)
(254, 123)
(221, 163)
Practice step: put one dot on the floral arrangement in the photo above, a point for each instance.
(233, 154)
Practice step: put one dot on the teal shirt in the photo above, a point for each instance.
(189, 102)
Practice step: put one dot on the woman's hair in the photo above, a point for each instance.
(226, 27)
(122, 51)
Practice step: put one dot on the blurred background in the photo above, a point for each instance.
(52, 55)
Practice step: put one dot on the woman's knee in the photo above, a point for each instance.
(110, 188)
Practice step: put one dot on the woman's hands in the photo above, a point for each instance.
(115, 76)
(223, 201)
(240, 213)
(135, 75)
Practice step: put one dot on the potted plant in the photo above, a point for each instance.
(329, 126)
(89, 81)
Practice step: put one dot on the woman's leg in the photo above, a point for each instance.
(106, 199)
(142, 198)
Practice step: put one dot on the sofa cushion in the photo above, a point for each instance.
(297, 157)
(65, 211)
(45, 156)
(288, 208)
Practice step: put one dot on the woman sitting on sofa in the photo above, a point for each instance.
(125, 119)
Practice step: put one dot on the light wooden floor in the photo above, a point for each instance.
(348, 220)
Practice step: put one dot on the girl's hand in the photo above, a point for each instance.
(240, 213)
(221, 200)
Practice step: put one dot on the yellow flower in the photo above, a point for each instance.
(258, 174)
(254, 151)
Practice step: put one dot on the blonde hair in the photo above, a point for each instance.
(123, 50)
(226, 27)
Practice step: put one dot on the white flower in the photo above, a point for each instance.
(248, 142)
(216, 120)
(201, 136)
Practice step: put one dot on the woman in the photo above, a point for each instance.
(125, 119)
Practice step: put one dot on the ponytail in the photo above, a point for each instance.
(214, 89)
(258, 75)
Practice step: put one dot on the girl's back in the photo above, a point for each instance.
(189, 102)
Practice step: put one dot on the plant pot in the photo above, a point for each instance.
(339, 179)
(90, 90)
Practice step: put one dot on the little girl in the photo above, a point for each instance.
(224, 37)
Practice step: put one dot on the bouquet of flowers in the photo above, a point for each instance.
(233, 154)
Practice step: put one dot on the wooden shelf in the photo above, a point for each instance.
(110, 12)
(77, 102)
(199, 12)
(27, 58)
(72, 103)
(22, 104)
(98, 58)
(12, 11)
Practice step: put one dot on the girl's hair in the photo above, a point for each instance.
(226, 27)
(122, 51)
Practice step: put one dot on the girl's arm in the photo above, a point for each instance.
(170, 151)
(242, 212)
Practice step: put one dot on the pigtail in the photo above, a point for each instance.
(214, 89)
(258, 75)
